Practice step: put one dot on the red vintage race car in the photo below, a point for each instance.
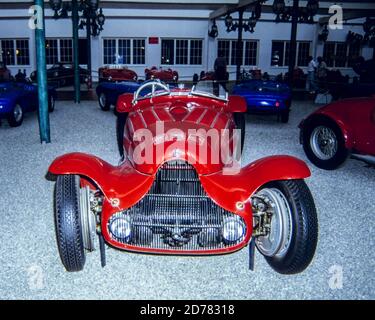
(179, 188)
(117, 73)
(339, 130)
(5, 74)
(166, 75)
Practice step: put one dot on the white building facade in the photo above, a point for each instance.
(176, 39)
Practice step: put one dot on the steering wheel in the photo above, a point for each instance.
(154, 86)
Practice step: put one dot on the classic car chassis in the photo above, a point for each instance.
(177, 203)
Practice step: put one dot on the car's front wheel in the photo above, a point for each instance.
(15, 118)
(103, 102)
(290, 225)
(74, 222)
(324, 144)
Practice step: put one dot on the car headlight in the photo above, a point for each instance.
(120, 227)
(233, 230)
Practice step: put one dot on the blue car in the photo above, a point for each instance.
(18, 98)
(270, 97)
(108, 92)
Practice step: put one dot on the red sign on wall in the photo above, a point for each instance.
(153, 40)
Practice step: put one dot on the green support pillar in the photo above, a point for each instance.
(239, 47)
(293, 42)
(40, 44)
(77, 82)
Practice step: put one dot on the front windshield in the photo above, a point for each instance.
(211, 89)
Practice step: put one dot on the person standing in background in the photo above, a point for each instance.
(311, 85)
(220, 68)
(321, 72)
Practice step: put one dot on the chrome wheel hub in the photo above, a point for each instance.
(323, 142)
(279, 224)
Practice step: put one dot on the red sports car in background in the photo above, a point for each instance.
(340, 129)
(5, 74)
(117, 73)
(207, 76)
(179, 188)
(167, 75)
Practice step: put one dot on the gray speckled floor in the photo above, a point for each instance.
(30, 267)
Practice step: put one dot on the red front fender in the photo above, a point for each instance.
(227, 190)
(123, 182)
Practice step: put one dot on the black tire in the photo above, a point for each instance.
(239, 119)
(338, 158)
(15, 118)
(51, 103)
(304, 230)
(103, 102)
(68, 222)
(120, 127)
(284, 116)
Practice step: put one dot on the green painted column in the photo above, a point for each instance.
(40, 44)
(77, 83)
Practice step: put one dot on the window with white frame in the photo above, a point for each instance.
(124, 51)
(52, 55)
(228, 49)
(340, 54)
(66, 50)
(139, 49)
(281, 49)
(15, 52)
(59, 50)
(196, 47)
(181, 51)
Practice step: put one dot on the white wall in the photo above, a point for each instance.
(184, 24)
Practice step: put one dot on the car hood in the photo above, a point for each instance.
(199, 134)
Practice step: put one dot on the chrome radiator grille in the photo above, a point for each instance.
(177, 214)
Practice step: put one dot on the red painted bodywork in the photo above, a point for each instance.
(208, 76)
(167, 75)
(356, 119)
(126, 184)
(117, 74)
(4, 72)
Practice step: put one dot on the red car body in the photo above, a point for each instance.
(167, 75)
(108, 73)
(179, 193)
(355, 119)
(5, 73)
(208, 76)
(129, 183)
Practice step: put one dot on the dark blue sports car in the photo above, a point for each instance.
(108, 92)
(268, 96)
(18, 98)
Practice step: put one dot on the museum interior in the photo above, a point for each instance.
(215, 149)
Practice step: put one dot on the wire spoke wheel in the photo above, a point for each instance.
(324, 142)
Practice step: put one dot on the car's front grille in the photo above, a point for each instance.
(177, 214)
